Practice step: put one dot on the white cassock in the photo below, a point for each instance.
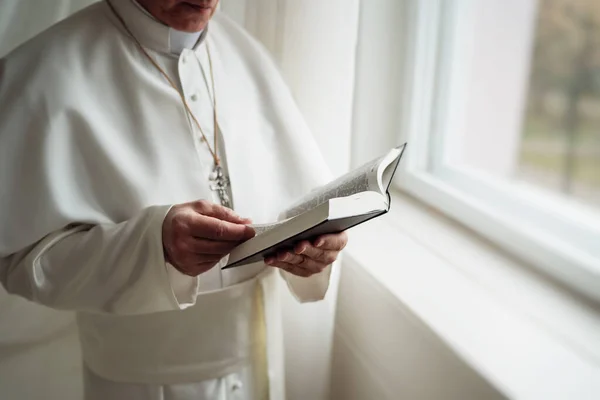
(95, 146)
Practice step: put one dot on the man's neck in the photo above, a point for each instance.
(178, 40)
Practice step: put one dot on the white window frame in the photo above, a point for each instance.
(544, 231)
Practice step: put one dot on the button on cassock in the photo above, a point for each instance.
(236, 385)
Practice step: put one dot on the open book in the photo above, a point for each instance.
(354, 198)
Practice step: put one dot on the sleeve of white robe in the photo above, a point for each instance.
(309, 289)
(114, 268)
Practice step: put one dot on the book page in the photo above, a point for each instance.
(263, 228)
(361, 179)
(388, 167)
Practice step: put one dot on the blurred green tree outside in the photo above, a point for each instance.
(560, 146)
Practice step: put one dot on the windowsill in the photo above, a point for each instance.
(525, 334)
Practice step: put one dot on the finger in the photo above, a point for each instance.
(219, 212)
(313, 265)
(292, 269)
(332, 241)
(307, 263)
(206, 246)
(323, 256)
(204, 227)
(301, 246)
(290, 258)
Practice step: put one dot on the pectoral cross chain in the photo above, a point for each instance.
(220, 184)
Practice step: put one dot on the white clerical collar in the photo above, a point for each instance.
(152, 33)
(179, 40)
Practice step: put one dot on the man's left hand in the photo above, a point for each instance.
(309, 258)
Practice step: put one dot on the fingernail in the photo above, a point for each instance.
(320, 243)
(269, 261)
(301, 250)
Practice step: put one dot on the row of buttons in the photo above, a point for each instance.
(184, 58)
(194, 97)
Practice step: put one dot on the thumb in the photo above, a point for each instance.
(219, 212)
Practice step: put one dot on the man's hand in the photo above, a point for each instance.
(197, 235)
(310, 258)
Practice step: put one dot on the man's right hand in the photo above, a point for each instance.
(197, 235)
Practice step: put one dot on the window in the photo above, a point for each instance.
(559, 145)
(503, 120)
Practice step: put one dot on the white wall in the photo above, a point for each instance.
(382, 351)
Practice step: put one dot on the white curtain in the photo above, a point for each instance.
(314, 43)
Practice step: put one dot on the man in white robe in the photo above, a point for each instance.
(107, 205)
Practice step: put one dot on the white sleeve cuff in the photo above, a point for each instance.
(306, 290)
(184, 287)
